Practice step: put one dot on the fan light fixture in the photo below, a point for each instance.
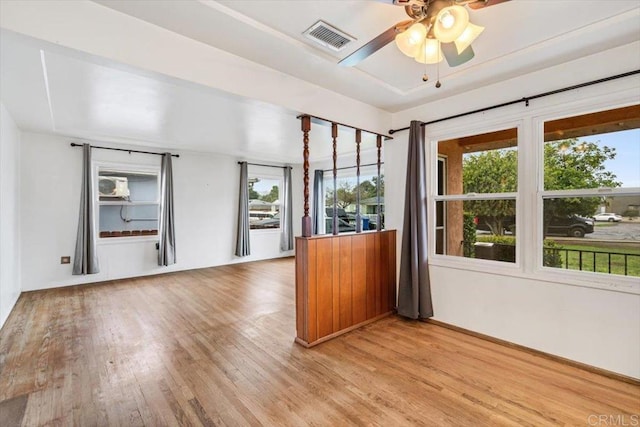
(449, 24)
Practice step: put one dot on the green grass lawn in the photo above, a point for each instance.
(602, 259)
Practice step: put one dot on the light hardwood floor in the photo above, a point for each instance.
(215, 347)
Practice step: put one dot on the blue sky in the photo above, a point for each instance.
(626, 164)
(264, 185)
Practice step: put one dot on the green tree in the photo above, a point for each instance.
(367, 190)
(346, 195)
(375, 184)
(253, 194)
(494, 171)
(271, 196)
(571, 164)
(568, 164)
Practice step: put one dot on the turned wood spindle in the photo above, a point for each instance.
(358, 216)
(378, 185)
(334, 217)
(306, 219)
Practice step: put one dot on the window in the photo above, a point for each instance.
(590, 189)
(475, 196)
(128, 201)
(264, 202)
(346, 198)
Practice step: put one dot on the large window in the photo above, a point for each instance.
(475, 198)
(346, 191)
(591, 192)
(264, 202)
(128, 201)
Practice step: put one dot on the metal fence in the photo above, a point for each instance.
(626, 264)
(595, 261)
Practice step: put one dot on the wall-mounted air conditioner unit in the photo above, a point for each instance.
(113, 186)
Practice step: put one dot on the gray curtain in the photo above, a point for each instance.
(242, 240)
(167, 246)
(286, 212)
(414, 289)
(85, 260)
(317, 214)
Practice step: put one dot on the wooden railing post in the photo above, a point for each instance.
(378, 185)
(358, 216)
(334, 217)
(307, 230)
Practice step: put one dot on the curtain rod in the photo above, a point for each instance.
(526, 99)
(266, 166)
(386, 137)
(73, 144)
(352, 167)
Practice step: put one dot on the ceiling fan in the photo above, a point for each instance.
(437, 29)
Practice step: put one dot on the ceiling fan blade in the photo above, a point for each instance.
(480, 4)
(402, 2)
(452, 56)
(374, 45)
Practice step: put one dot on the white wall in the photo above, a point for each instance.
(9, 214)
(576, 318)
(206, 204)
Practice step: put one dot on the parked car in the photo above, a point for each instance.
(273, 222)
(569, 225)
(343, 226)
(607, 216)
(340, 212)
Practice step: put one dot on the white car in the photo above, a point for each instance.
(606, 216)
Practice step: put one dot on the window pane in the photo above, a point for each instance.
(264, 203)
(128, 220)
(584, 233)
(132, 186)
(593, 150)
(347, 189)
(483, 229)
(485, 163)
(119, 192)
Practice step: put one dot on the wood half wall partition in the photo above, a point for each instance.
(343, 282)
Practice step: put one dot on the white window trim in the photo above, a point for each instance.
(431, 160)
(613, 282)
(121, 167)
(272, 177)
(530, 123)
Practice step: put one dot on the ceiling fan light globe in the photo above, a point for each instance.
(447, 20)
(454, 28)
(468, 36)
(409, 41)
(429, 52)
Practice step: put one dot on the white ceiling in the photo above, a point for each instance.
(521, 36)
(51, 88)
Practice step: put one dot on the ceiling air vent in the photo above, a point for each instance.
(328, 36)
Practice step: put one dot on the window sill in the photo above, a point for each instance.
(127, 239)
(612, 283)
(265, 231)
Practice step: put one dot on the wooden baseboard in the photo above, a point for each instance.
(583, 366)
(341, 332)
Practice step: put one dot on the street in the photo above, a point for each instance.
(626, 231)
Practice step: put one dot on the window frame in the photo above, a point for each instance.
(270, 177)
(99, 166)
(583, 278)
(432, 157)
(328, 184)
(531, 118)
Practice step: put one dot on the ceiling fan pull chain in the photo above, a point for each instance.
(425, 77)
(438, 84)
